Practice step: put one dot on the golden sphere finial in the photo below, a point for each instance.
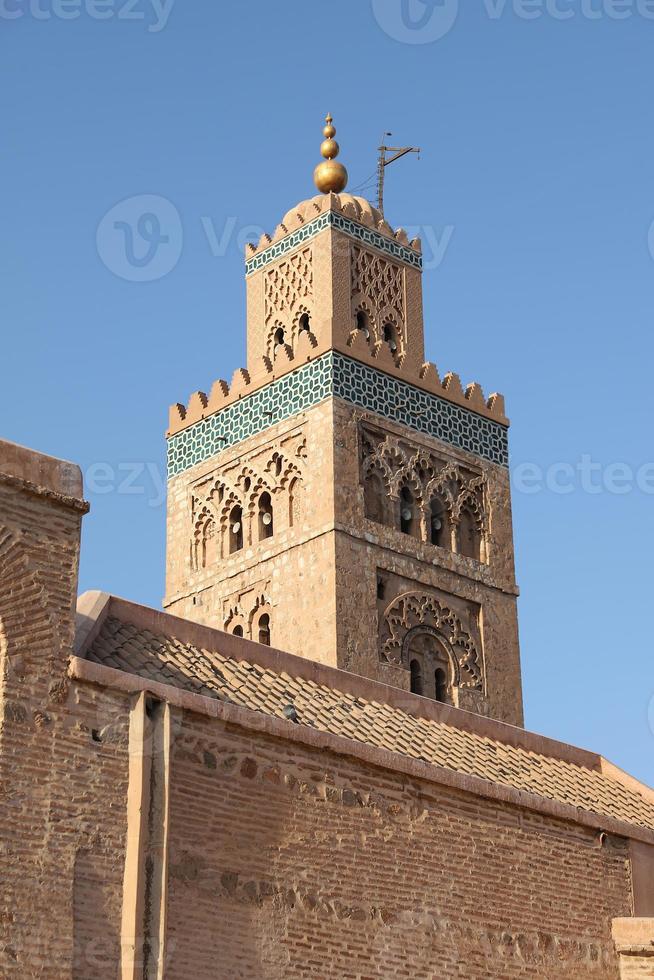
(329, 176)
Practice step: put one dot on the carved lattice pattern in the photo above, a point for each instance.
(378, 289)
(288, 292)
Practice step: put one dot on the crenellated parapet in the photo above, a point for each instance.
(201, 404)
(441, 409)
(301, 223)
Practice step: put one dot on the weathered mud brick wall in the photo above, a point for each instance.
(63, 767)
(284, 859)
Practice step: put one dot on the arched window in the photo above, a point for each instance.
(439, 526)
(363, 324)
(429, 666)
(416, 677)
(390, 337)
(469, 536)
(235, 530)
(237, 631)
(408, 516)
(374, 496)
(440, 685)
(304, 323)
(264, 629)
(279, 338)
(266, 526)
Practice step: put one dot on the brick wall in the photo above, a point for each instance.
(288, 862)
(62, 750)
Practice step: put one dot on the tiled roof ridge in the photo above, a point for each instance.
(94, 607)
(188, 664)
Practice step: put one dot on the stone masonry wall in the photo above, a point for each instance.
(63, 765)
(290, 863)
(317, 580)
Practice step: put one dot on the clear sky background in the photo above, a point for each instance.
(534, 196)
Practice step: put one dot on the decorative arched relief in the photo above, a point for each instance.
(421, 612)
(295, 501)
(442, 493)
(206, 542)
(268, 492)
(237, 622)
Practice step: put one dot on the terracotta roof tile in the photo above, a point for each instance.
(170, 661)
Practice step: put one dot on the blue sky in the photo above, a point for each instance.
(534, 195)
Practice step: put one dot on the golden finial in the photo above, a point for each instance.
(330, 176)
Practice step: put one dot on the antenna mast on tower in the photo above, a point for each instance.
(383, 162)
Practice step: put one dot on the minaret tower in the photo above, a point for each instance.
(339, 499)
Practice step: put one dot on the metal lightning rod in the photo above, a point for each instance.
(384, 161)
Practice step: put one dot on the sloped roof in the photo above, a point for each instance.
(266, 681)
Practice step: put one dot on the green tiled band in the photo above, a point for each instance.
(335, 220)
(340, 377)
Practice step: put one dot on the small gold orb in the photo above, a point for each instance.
(330, 176)
(329, 131)
(329, 149)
